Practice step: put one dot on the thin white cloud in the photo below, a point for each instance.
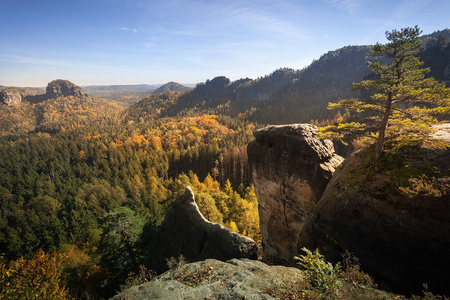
(271, 23)
(185, 32)
(350, 6)
(409, 8)
(128, 29)
(31, 60)
(9, 58)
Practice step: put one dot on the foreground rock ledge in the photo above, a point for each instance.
(186, 231)
(291, 168)
(235, 279)
(213, 279)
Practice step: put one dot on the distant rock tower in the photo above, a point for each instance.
(64, 88)
(10, 96)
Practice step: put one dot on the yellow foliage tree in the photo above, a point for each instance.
(233, 226)
(211, 185)
(37, 278)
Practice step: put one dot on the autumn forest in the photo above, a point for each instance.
(85, 181)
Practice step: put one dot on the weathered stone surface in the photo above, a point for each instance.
(64, 88)
(290, 169)
(10, 96)
(396, 220)
(186, 231)
(213, 279)
(237, 279)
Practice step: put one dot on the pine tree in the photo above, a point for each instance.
(402, 102)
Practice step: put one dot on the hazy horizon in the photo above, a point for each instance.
(93, 85)
(99, 42)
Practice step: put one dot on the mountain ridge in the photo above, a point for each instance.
(291, 96)
(284, 96)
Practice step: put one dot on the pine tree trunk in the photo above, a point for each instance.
(382, 131)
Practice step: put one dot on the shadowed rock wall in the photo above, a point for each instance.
(400, 235)
(291, 168)
(186, 231)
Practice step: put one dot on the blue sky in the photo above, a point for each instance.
(136, 41)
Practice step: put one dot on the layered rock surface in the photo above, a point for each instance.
(291, 168)
(10, 96)
(396, 220)
(186, 231)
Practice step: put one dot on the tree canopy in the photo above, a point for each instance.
(402, 103)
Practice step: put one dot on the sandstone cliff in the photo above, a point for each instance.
(10, 96)
(395, 220)
(290, 170)
(56, 88)
(186, 231)
(64, 88)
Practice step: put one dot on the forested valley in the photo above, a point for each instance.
(68, 189)
(84, 182)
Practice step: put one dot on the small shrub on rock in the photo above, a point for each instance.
(322, 275)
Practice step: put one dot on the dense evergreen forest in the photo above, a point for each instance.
(70, 188)
(91, 180)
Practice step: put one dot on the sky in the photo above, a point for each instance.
(104, 42)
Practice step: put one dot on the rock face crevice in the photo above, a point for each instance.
(186, 231)
(291, 168)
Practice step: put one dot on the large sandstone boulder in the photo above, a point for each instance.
(186, 231)
(10, 96)
(396, 220)
(290, 169)
(63, 88)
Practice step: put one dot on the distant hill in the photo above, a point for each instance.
(170, 87)
(121, 94)
(284, 96)
(91, 89)
(63, 106)
(152, 106)
(27, 90)
(128, 94)
(287, 95)
(436, 35)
